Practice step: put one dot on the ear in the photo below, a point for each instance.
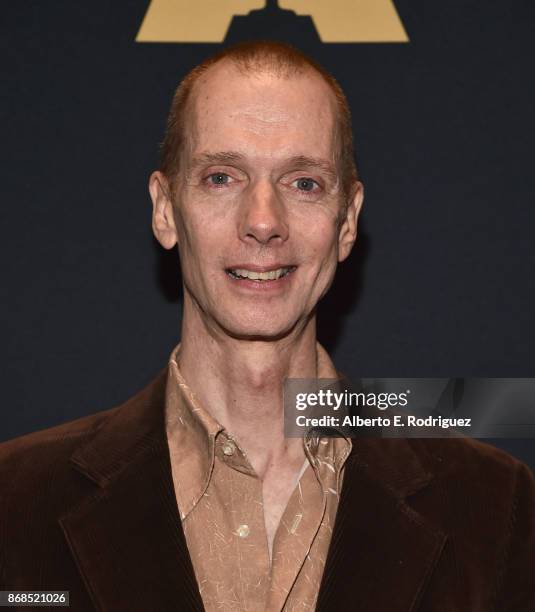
(163, 222)
(348, 226)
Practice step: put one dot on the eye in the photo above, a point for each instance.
(218, 179)
(305, 184)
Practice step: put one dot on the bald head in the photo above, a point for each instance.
(257, 61)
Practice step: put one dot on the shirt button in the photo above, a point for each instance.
(228, 448)
(243, 531)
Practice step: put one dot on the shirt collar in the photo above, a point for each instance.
(195, 438)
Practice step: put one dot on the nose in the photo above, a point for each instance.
(263, 216)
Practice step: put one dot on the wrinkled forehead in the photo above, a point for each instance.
(262, 108)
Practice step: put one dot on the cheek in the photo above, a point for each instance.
(199, 234)
(318, 238)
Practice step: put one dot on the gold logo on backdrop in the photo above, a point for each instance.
(340, 21)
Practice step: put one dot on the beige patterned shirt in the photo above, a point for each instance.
(219, 497)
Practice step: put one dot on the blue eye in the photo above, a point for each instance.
(219, 178)
(305, 184)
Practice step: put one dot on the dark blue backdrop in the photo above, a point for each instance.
(441, 283)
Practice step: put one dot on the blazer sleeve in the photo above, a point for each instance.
(517, 584)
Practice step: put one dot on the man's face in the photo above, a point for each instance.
(256, 211)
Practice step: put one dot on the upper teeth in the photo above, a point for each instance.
(271, 275)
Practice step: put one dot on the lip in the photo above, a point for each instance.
(257, 268)
(261, 285)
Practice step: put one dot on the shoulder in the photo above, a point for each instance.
(478, 489)
(484, 499)
(31, 455)
(467, 459)
(455, 482)
(460, 449)
(472, 473)
(46, 454)
(28, 458)
(37, 485)
(46, 474)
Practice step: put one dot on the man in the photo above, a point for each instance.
(188, 496)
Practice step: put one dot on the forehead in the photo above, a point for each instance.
(261, 113)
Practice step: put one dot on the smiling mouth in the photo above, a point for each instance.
(268, 275)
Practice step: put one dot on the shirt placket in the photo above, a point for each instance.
(241, 490)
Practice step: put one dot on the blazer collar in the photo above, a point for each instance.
(127, 531)
(126, 536)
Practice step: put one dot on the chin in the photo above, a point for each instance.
(254, 329)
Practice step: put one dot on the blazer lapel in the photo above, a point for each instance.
(126, 536)
(382, 552)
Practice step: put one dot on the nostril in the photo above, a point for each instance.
(264, 237)
(264, 230)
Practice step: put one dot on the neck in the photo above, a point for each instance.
(240, 383)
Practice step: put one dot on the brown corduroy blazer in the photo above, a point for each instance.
(428, 525)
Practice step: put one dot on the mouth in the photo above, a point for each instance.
(261, 276)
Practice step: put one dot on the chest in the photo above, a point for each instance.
(277, 490)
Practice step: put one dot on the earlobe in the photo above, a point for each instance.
(163, 224)
(348, 228)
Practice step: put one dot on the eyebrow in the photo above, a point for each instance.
(221, 157)
(297, 162)
(303, 162)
